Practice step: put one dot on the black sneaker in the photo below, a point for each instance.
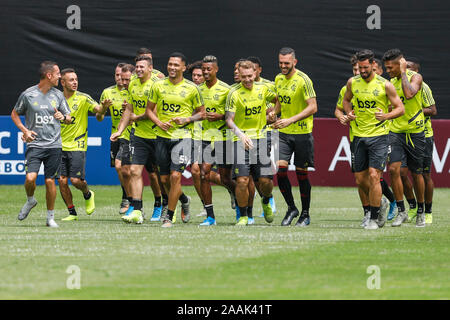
(290, 215)
(304, 220)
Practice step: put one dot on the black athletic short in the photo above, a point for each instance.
(124, 153)
(173, 154)
(219, 153)
(370, 152)
(254, 162)
(408, 148)
(301, 145)
(113, 151)
(143, 152)
(428, 157)
(73, 164)
(50, 157)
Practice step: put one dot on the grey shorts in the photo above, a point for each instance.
(50, 157)
(73, 164)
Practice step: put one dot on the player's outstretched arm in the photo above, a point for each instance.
(398, 109)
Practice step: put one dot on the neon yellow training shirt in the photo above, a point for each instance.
(367, 97)
(249, 107)
(117, 97)
(215, 99)
(292, 94)
(74, 135)
(179, 100)
(413, 120)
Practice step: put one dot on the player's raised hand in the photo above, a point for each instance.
(106, 104)
(58, 115)
(402, 62)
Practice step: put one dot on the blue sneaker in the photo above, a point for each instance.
(391, 213)
(208, 222)
(272, 204)
(251, 221)
(238, 213)
(156, 213)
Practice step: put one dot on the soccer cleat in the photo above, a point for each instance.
(90, 204)
(243, 221)
(251, 221)
(268, 213)
(51, 223)
(428, 218)
(420, 220)
(127, 215)
(372, 225)
(202, 213)
(391, 213)
(402, 216)
(185, 211)
(208, 222)
(272, 204)
(167, 223)
(304, 220)
(136, 217)
(26, 209)
(412, 213)
(124, 205)
(365, 220)
(290, 215)
(238, 213)
(70, 217)
(156, 213)
(381, 220)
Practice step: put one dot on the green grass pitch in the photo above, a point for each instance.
(327, 260)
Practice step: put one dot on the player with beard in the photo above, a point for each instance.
(372, 95)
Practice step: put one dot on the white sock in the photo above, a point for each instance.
(50, 214)
(30, 199)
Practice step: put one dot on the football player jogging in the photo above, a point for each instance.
(213, 132)
(429, 109)
(195, 69)
(44, 107)
(174, 104)
(407, 137)
(246, 116)
(372, 95)
(340, 115)
(74, 143)
(258, 70)
(120, 149)
(142, 142)
(297, 104)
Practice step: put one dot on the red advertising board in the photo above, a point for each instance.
(332, 155)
